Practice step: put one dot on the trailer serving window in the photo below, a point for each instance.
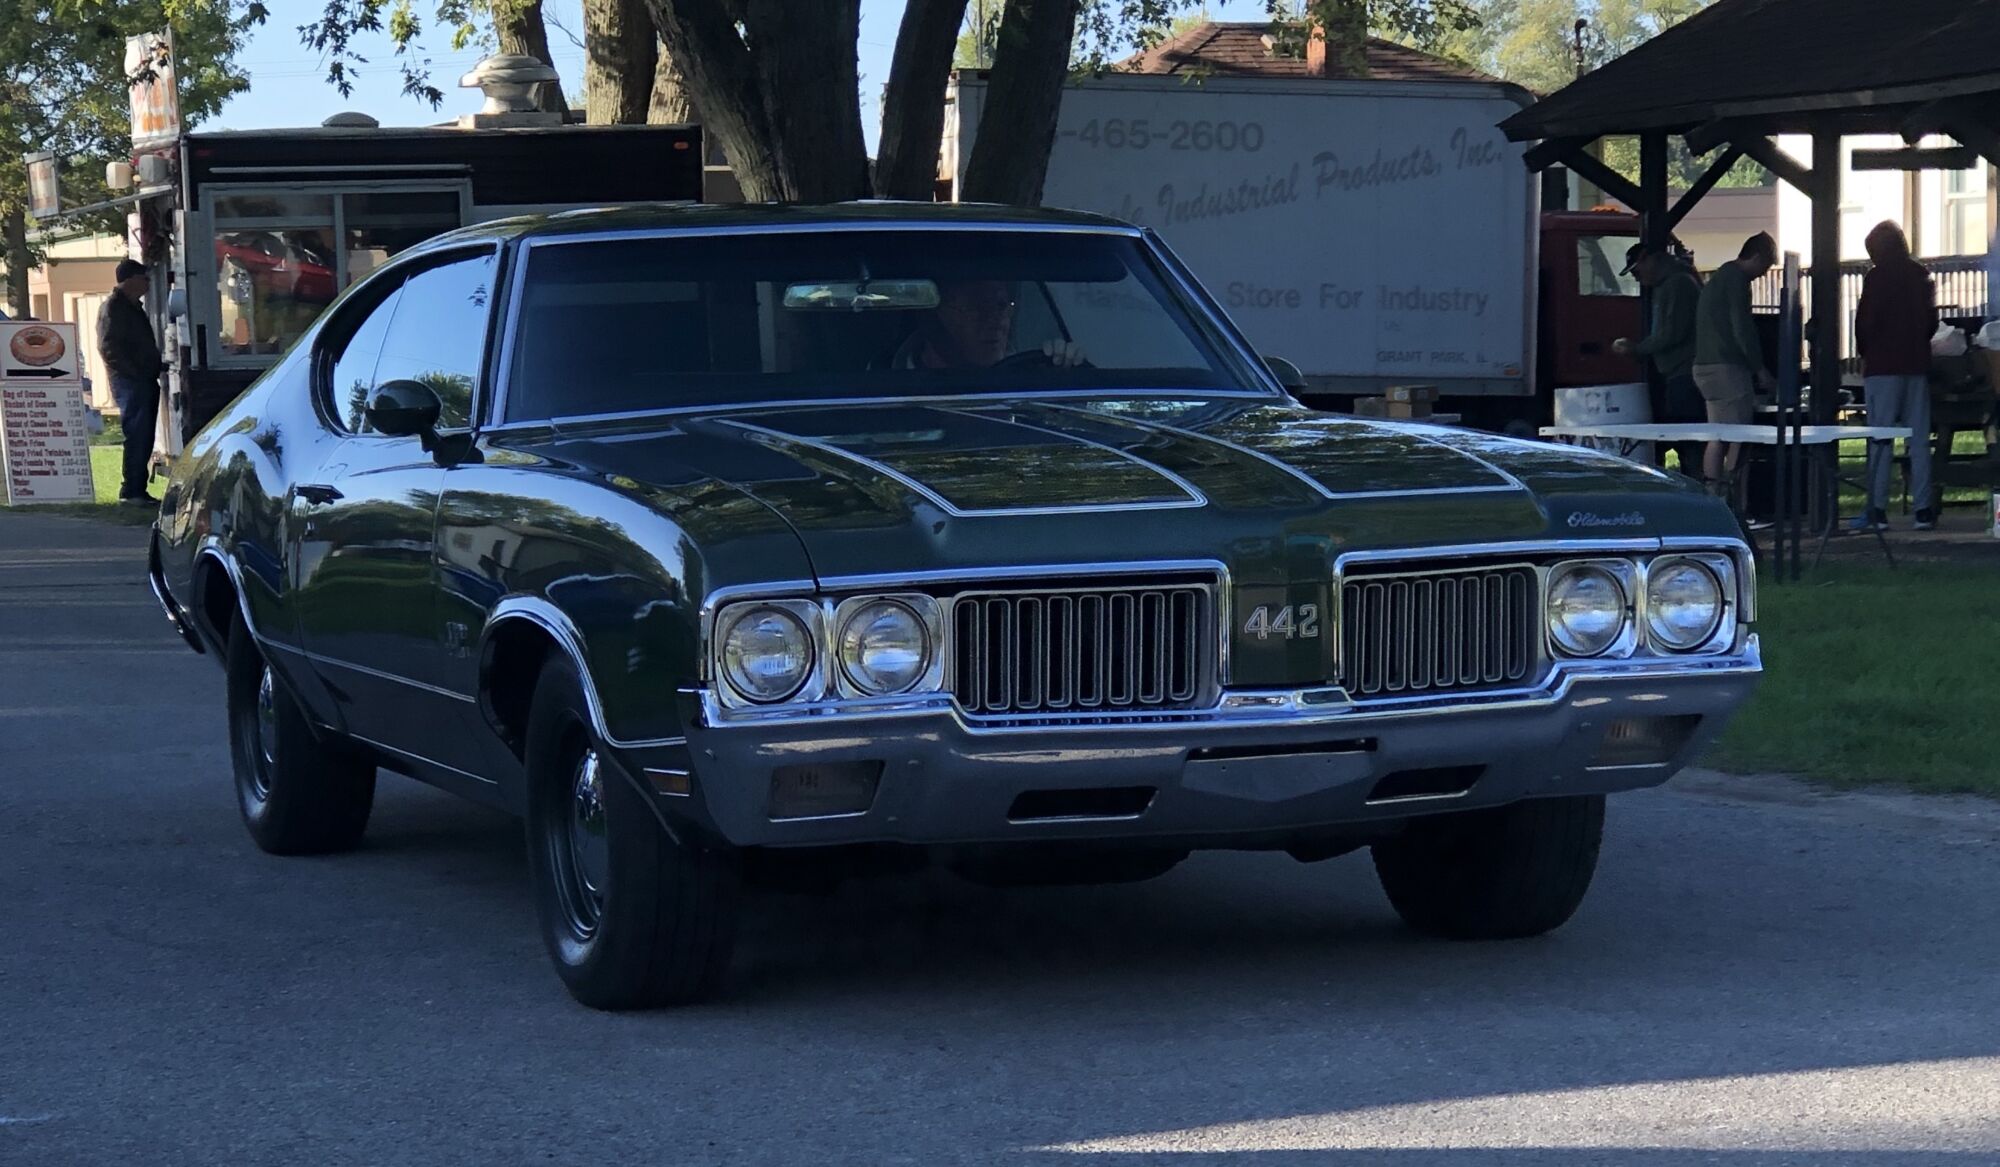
(283, 254)
(1600, 262)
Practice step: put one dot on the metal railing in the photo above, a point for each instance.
(1960, 281)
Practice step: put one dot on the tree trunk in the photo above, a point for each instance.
(778, 87)
(670, 104)
(906, 164)
(620, 51)
(1010, 158)
(15, 228)
(518, 24)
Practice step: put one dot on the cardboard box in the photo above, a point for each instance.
(1390, 407)
(1413, 394)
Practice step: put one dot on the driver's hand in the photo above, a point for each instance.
(1064, 354)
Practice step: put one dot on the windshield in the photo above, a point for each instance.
(626, 325)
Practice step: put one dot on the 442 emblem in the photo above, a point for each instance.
(1300, 622)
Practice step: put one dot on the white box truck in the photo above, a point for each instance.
(1374, 233)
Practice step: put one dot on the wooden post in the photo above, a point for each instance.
(1822, 502)
(1653, 233)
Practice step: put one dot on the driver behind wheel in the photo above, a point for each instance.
(973, 328)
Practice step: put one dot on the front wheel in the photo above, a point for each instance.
(298, 795)
(1496, 874)
(632, 917)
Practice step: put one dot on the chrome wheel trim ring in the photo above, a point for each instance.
(264, 729)
(580, 847)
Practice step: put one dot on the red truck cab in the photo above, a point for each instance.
(1585, 303)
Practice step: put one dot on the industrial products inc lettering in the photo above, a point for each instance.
(1180, 206)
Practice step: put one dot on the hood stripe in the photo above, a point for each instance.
(1511, 485)
(1459, 450)
(1194, 498)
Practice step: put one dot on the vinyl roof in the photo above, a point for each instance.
(1783, 62)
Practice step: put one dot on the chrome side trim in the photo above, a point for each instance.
(389, 749)
(558, 625)
(379, 674)
(211, 547)
(1195, 499)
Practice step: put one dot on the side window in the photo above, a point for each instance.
(438, 333)
(352, 377)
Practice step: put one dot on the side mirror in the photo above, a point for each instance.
(404, 409)
(1288, 374)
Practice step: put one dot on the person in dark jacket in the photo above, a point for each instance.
(1893, 326)
(125, 340)
(1669, 342)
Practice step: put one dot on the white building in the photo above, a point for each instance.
(1945, 213)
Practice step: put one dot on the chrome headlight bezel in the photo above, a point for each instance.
(1721, 633)
(928, 615)
(811, 622)
(1623, 575)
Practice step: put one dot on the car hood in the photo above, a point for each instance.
(1269, 489)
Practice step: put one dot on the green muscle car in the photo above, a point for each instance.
(733, 547)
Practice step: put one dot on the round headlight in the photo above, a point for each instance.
(1683, 604)
(884, 647)
(1586, 610)
(767, 654)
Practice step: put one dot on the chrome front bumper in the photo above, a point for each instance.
(1255, 769)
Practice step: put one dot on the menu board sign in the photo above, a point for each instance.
(44, 438)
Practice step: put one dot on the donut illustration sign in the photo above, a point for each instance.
(37, 353)
(44, 444)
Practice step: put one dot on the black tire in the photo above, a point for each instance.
(298, 795)
(1030, 866)
(632, 918)
(1498, 874)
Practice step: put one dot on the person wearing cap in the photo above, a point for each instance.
(1728, 356)
(1669, 342)
(132, 354)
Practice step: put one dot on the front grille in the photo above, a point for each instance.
(1084, 652)
(1445, 631)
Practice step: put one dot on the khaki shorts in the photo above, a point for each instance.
(1729, 391)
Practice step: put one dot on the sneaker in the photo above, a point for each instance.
(1873, 520)
(138, 500)
(1926, 520)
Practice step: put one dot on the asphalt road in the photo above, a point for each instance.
(1761, 976)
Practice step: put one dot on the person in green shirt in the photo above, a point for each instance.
(1669, 342)
(1728, 357)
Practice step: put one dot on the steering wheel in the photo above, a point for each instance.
(1035, 358)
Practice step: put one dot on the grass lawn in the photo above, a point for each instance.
(1875, 675)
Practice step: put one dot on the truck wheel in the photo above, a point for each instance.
(1496, 874)
(297, 795)
(632, 917)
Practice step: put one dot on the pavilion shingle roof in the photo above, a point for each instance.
(1236, 49)
(1748, 58)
